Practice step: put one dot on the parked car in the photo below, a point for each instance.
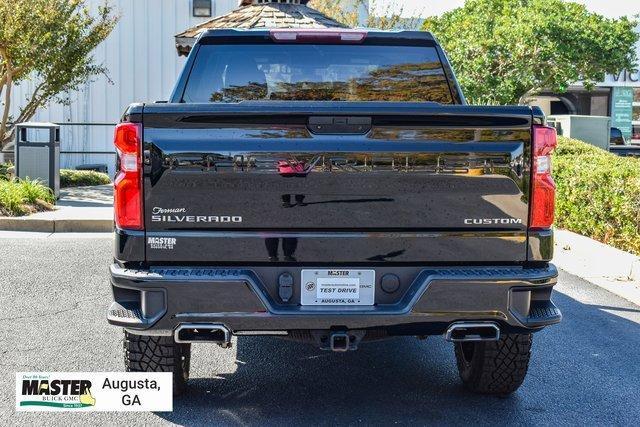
(332, 187)
(619, 145)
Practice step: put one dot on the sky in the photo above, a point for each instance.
(610, 8)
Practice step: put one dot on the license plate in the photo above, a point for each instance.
(338, 287)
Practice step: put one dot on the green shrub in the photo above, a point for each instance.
(598, 194)
(22, 197)
(11, 201)
(34, 192)
(74, 178)
(4, 170)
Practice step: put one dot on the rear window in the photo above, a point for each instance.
(284, 72)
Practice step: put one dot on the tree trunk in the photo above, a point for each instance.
(7, 83)
(7, 106)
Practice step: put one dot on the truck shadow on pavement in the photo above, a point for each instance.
(587, 369)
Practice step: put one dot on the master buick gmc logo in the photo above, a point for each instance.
(337, 273)
(492, 221)
(171, 215)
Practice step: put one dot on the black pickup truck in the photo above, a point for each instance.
(332, 187)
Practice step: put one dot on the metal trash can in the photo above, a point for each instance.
(37, 153)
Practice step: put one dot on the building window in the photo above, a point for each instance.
(202, 8)
(600, 105)
(635, 136)
(636, 115)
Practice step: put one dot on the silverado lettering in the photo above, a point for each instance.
(196, 219)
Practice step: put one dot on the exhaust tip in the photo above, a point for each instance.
(203, 332)
(470, 332)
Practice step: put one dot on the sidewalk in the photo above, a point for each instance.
(604, 266)
(79, 210)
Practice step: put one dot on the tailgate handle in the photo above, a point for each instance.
(339, 125)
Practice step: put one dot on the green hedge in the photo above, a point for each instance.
(74, 178)
(4, 170)
(22, 197)
(598, 194)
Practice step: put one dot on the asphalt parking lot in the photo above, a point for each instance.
(54, 292)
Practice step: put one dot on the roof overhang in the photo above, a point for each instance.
(259, 15)
(248, 2)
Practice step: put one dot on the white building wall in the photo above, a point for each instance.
(142, 65)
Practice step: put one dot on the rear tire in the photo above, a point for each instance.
(145, 353)
(494, 367)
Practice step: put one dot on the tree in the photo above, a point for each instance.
(505, 51)
(49, 42)
(347, 12)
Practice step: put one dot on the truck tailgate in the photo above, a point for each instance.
(336, 183)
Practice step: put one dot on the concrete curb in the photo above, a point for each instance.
(43, 225)
(604, 266)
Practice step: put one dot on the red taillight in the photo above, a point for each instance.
(318, 36)
(543, 189)
(127, 194)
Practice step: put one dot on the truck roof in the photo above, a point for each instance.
(399, 37)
